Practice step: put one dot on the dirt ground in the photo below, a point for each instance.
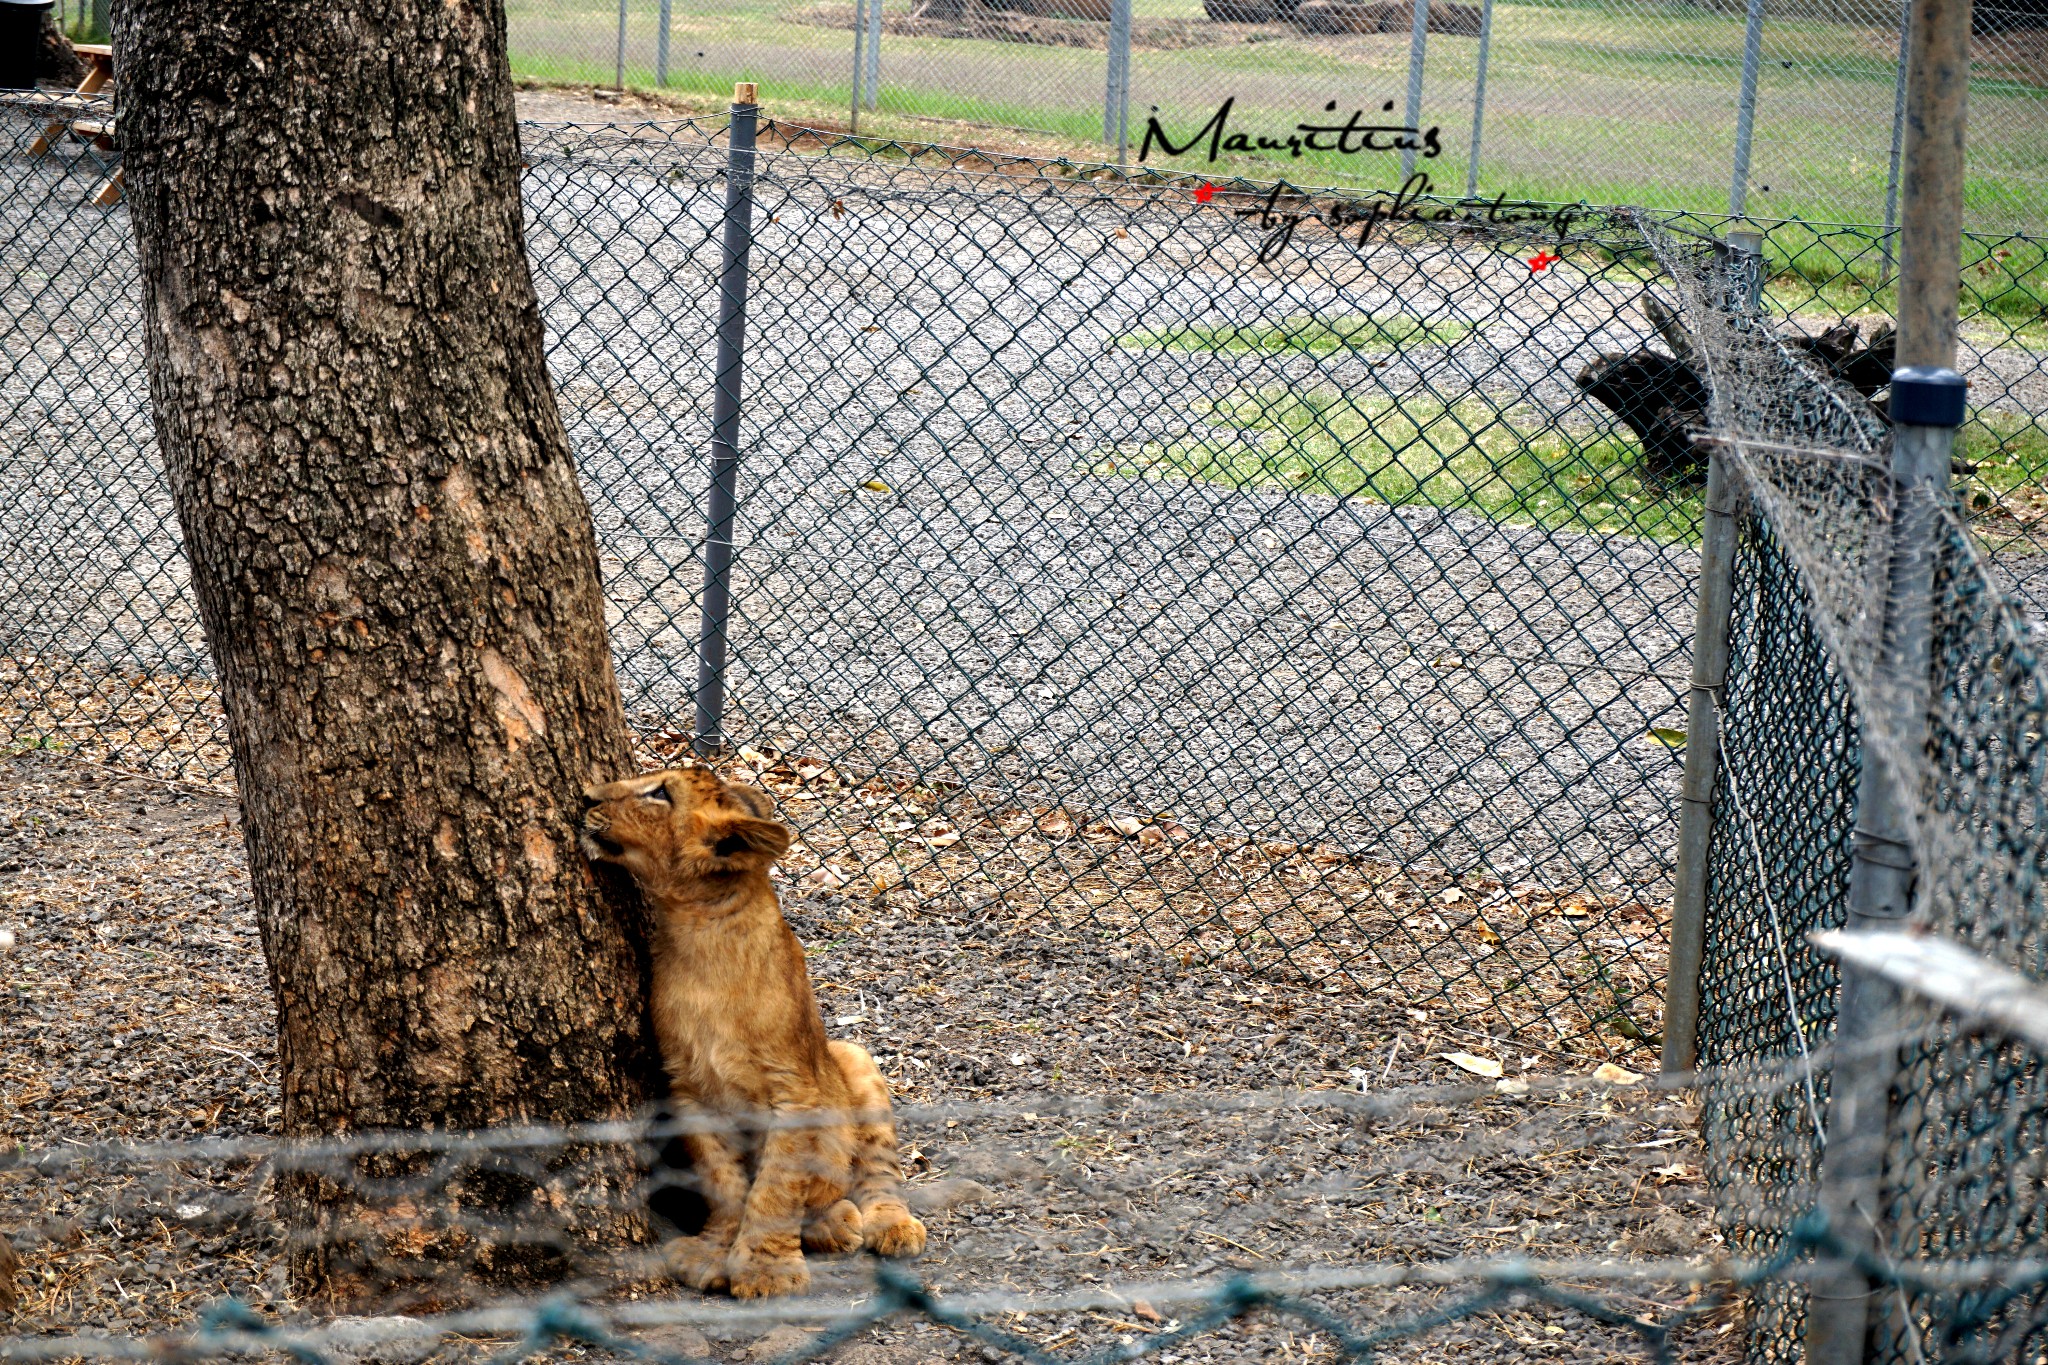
(1077, 1112)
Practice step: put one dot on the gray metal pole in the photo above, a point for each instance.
(1926, 406)
(1418, 42)
(667, 17)
(726, 376)
(1702, 722)
(619, 76)
(874, 57)
(860, 30)
(1479, 101)
(1745, 107)
(1116, 99)
(1891, 179)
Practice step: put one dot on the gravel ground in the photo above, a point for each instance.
(936, 571)
(1077, 1112)
(965, 591)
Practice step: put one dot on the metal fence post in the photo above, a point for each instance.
(715, 611)
(860, 30)
(1479, 100)
(619, 73)
(1926, 406)
(1116, 98)
(1891, 179)
(1418, 42)
(1718, 532)
(666, 18)
(1745, 107)
(874, 53)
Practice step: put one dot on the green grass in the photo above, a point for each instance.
(1309, 335)
(1645, 117)
(2005, 494)
(1841, 272)
(1647, 111)
(1469, 455)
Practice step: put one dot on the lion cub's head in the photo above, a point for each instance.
(679, 824)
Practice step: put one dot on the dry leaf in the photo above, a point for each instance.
(1678, 1172)
(1451, 896)
(1126, 825)
(1512, 1087)
(1671, 739)
(875, 486)
(943, 840)
(1141, 1310)
(1610, 1074)
(1478, 1066)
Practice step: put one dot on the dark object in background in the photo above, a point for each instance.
(1247, 11)
(58, 62)
(1864, 366)
(1383, 16)
(21, 41)
(1662, 401)
(673, 1194)
(2003, 16)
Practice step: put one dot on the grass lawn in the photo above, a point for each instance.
(1589, 100)
(1306, 335)
(1508, 465)
(1841, 273)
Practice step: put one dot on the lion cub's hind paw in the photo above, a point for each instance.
(760, 1277)
(835, 1230)
(698, 1262)
(894, 1232)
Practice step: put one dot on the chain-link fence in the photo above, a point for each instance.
(1249, 575)
(1152, 555)
(1784, 108)
(1823, 700)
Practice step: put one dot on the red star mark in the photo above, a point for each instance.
(1543, 260)
(1204, 194)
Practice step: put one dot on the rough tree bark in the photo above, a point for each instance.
(395, 567)
(56, 61)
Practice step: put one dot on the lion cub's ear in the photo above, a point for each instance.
(746, 840)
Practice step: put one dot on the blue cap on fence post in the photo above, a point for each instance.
(1927, 396)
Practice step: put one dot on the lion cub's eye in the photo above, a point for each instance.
(657, 795)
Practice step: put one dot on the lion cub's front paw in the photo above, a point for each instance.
(698, 1262)
(753, 1276)
(834, 1230)
(894, 1232)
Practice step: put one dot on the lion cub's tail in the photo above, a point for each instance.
(887, 1226)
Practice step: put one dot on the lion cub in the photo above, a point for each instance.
(741, 1038)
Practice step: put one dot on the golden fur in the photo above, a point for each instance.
(744, 1046)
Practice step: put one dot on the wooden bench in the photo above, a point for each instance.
(86, 113)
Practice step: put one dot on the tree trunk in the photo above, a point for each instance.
(56, 61)
(397, 574)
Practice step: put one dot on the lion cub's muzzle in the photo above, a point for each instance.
(597, 840)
